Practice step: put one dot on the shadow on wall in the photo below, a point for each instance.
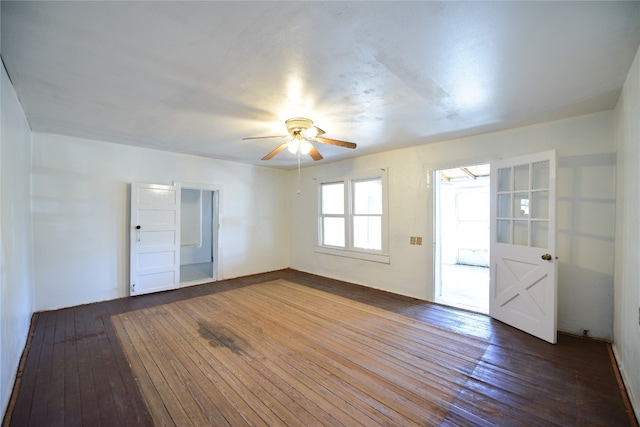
(585, 243)
(584, 292)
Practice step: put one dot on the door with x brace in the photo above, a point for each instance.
(523, 289)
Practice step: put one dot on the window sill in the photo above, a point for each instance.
(366, 256)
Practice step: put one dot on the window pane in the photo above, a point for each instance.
(333, 199)
(333, 232)
(367, 232)
(540, 204)
(504, 205)
(504, 231)
(540, 234)
(521, 177)
(521, 233)
(521, 205)
(504, 179)
(540, 172)
(367, 197)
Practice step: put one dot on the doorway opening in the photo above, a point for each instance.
(462, 237)
(198, 236)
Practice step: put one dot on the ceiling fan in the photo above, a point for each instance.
(302, 133)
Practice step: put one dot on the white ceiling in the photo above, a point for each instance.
(197, 77)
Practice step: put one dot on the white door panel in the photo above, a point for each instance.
(155, 282)
(155, 238)
(156, 194)
(155, 259)
(155, 217)
(523, 265)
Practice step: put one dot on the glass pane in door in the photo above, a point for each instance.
(540, 234)
(521, 177)
(504, 231)
(504, 179)
(521, 233)
(521, 205)
(540, 175)
(540, 204)
(504, 205)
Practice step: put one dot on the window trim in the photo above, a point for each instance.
(349, 251)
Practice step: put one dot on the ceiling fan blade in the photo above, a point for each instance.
(319, 131)
(263, 137)
(274, 152)
(337, 142)
(315, 154)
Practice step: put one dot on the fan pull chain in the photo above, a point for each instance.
(298, 171)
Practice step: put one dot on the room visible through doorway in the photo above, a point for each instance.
(462, 237)
(198, 235)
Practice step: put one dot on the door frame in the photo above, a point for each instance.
(450, 237)
(432, 172)
(216, 191)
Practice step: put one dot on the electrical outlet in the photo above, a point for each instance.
(413, 240)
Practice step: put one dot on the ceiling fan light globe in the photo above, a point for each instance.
(311, 132)
(293, 146)
(305, 147)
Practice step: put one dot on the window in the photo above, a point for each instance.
(333, 217)
(351, 218)
(367, 214)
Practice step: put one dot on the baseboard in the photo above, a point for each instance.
(6, 418)
(631, 398)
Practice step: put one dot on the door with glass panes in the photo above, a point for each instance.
(523, 263)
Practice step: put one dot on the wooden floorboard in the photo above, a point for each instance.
(290, 348)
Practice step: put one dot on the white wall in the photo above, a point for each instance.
(16, 283)
(81, 215)
(626, 342)
(586, 214)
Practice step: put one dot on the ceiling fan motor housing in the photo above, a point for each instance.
(297, 125)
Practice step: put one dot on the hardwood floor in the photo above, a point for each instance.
(289, 348)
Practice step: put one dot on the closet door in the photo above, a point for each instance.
(155, 238)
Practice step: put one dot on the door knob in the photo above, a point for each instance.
(547, 257)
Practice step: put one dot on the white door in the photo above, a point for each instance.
(155, 238)
(523, 264)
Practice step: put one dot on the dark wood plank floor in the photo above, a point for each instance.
(95, 364)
